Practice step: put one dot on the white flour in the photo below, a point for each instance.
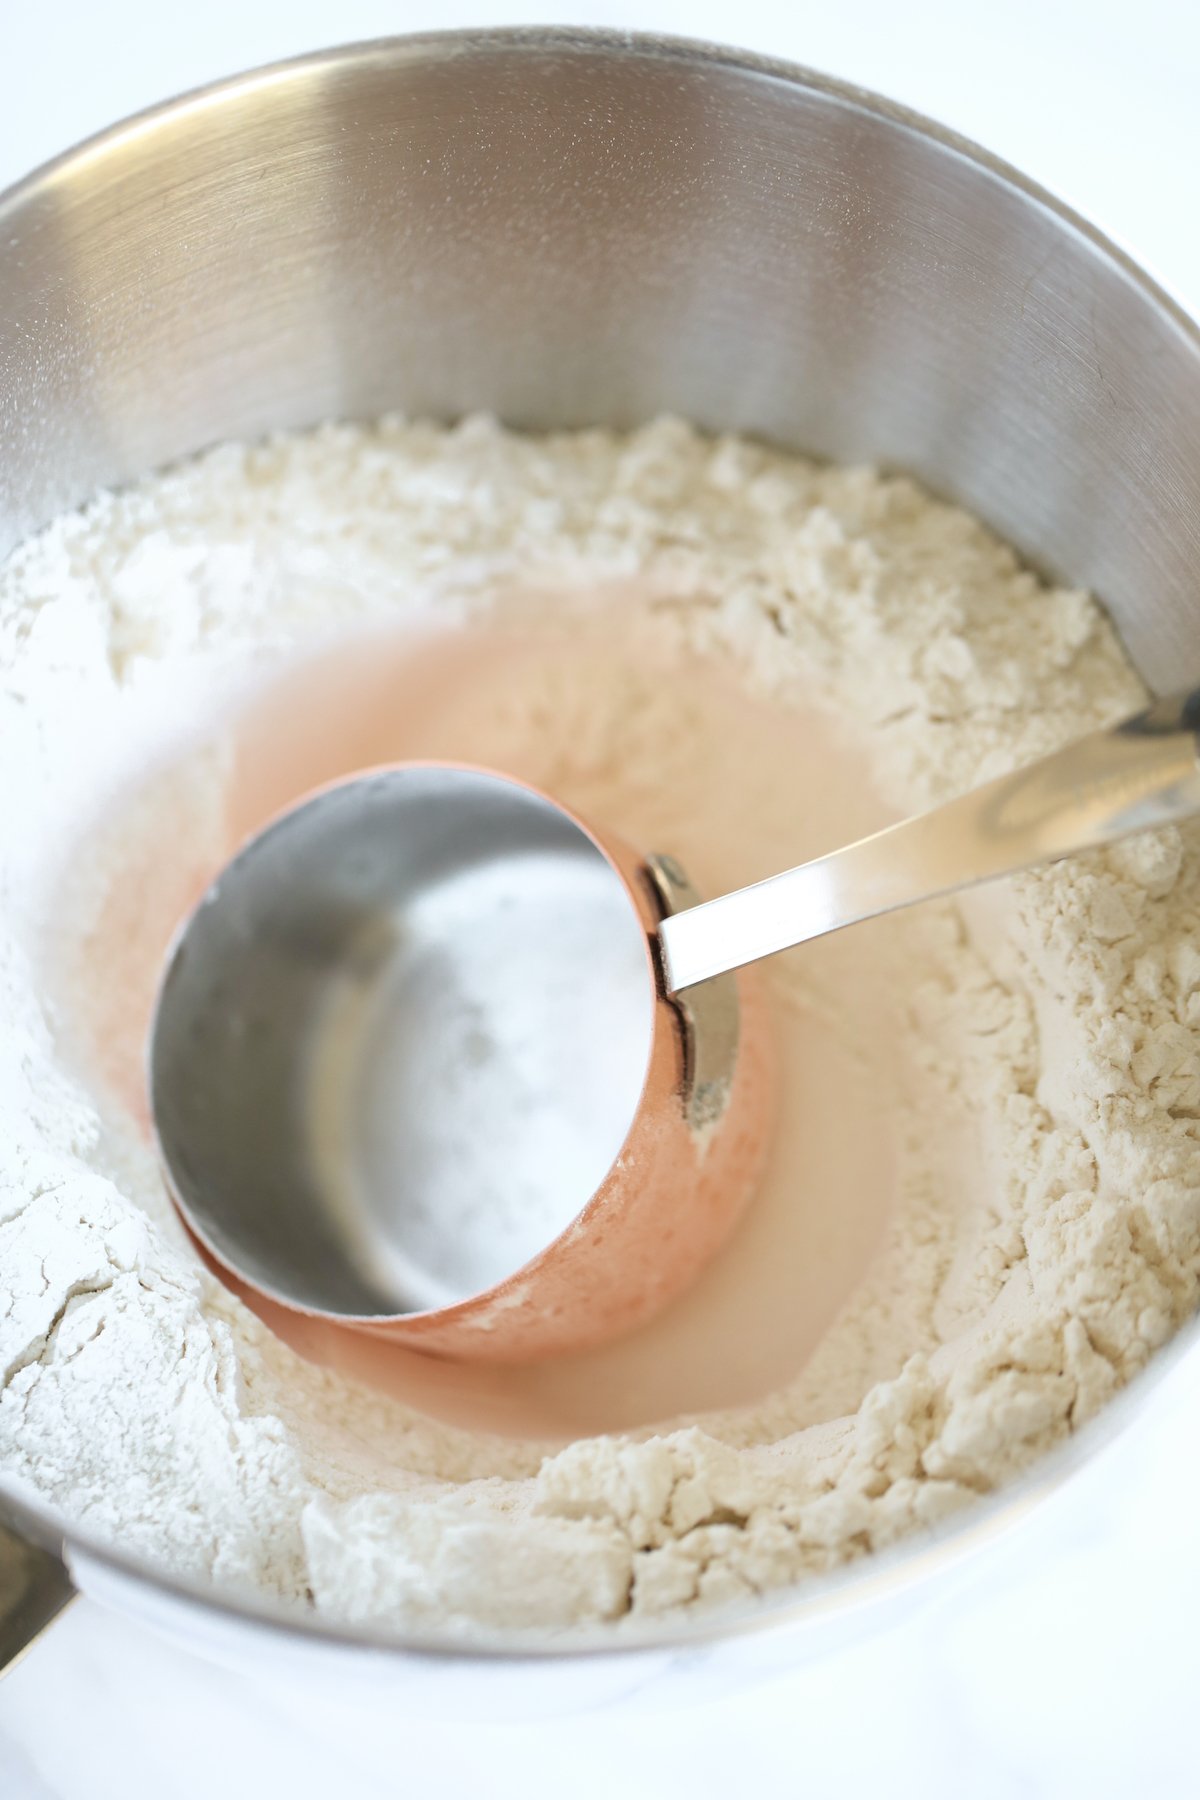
(1061, 1010)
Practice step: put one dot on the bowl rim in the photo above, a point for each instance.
(860, 1588)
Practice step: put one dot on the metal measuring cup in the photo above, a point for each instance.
(435, 1060)
(414, 1067)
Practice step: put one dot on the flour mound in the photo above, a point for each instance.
(1057, 1014)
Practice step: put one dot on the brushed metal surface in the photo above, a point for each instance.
(34, 1589)
(575, 230)
(400, 1042)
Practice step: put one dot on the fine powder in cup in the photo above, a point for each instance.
(984, 1206)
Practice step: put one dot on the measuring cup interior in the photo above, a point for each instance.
(401, 1042)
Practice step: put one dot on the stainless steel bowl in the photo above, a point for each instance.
(572, 228)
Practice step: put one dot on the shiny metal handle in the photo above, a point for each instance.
(1137, 775)
(34, 1588)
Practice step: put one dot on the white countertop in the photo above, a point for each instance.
(1060, 1664)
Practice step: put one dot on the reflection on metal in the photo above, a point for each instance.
(709, 1013)
(388, 1004)
(34, 1588)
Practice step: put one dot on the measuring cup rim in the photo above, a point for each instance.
(642, 901)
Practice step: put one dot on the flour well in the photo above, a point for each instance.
(1031, 1053)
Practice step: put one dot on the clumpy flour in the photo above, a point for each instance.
(983, 1212)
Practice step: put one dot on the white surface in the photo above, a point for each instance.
(1062, 1664)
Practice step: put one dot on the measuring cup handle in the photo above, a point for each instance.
(1129, 778)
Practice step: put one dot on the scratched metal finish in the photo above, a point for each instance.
(572, 229)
